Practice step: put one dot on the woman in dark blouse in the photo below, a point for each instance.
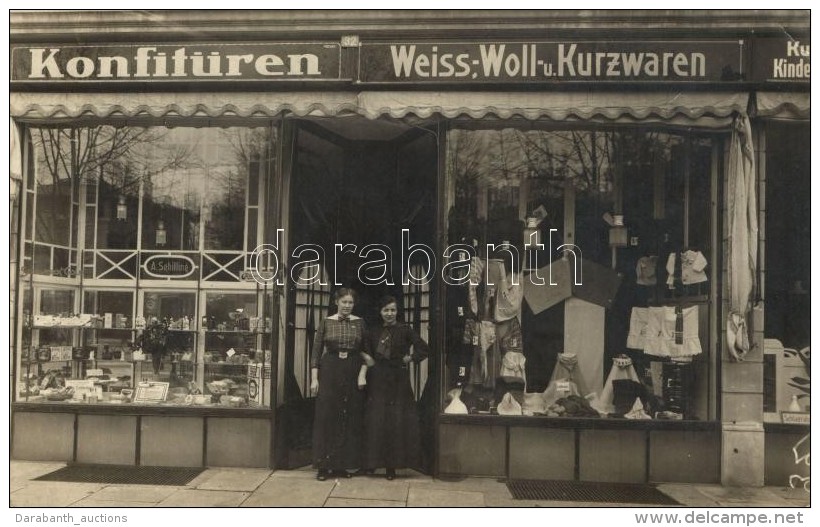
(338, 372)
(391, 421)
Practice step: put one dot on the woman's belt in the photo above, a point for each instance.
(343, 353)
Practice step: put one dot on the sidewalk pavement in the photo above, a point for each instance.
(242, 487)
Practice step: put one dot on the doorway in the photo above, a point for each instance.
(355, 184)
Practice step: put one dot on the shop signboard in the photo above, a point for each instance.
(782, 60)
(169, 266)
(278, 61)
(552, 62)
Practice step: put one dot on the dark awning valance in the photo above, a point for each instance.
(702, 109)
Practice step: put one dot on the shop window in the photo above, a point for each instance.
(787, 210)
(624, 217)
(107, 198)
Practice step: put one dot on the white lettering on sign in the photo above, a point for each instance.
(612, 64)
(788, 68)
(149, 63)
(527, 60)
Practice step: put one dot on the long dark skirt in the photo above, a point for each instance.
(337, 427)
(391, 421)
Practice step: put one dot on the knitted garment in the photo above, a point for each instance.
(692, 267)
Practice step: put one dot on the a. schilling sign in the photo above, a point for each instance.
(177, 62)
(169, 266)
(540, 62)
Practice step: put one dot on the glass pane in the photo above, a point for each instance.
(232, 324)
(171, 307)
(174, 183)
(54, 176)
(232, 154)
(56, 302)
(120, 167)
(788, 228)
(114, 307)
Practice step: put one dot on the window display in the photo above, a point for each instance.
(588, 291)
(114, 216)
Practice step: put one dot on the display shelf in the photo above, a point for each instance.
(237, 331)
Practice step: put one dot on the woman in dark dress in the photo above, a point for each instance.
(338, 372)
(391, 422)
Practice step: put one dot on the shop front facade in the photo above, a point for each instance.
(576, 223)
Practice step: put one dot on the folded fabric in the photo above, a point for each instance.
(456, 406)
(622, 369)
(508, 297)
(637, 411)
(508, 405)
(645, 270)
(534, 404)
(541, 297)
(737, 336)
(512, 365)
(625, 391)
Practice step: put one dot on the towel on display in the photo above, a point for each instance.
(638, 320)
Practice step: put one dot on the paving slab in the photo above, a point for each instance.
(688, 495)
(136, 493)
(204, 498)
(371, 488)
(423, 496)
(51, 494)
(796, 497)
(92, 501)
(294, 474)
(235, 479)
(486, 485)
(290, 492)
(348, 502)
(738, 496)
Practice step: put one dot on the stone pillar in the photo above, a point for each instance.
(742, 458)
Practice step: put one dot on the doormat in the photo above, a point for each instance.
(557, 490)
(124, 475)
